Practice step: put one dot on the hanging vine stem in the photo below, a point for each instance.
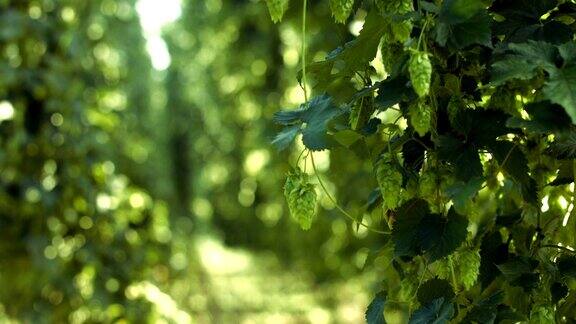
(419, 284)
(454, 282)
(336, 203)
(303, 85)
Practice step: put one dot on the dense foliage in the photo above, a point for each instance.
(464, 110)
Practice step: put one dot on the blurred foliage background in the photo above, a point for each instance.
(137, 179)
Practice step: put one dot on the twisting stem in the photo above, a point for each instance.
(304, 51)
(419, 284)
(454, 282)
(559, 247)
(336, 203)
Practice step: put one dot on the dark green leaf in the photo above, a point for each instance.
(311, 120)
(405, 231)
(463, 23)
(515, 164)
(558, 291)
(417, 231)
(492, 252)
(485, 310)
(439, 311)
(564, 147)
(286, 136)
(393, 91)
(561, 89)
(545, 118)
(519, 271)
(461, 155)
(439, 237)
(434, 289)
(567, 266)
(462, 192)
(375, 311)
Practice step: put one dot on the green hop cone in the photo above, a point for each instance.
(468, 264)
(394, 7)
(466, 267)
(420, 117)
(277, 8)
(420, 70)
(428, 185)
(389, 180)
(301, 198)
(543, 314)
(341, 9)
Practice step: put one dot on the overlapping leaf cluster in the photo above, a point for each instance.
(476, 109)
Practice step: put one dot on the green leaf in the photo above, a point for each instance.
(277, 8)
(417, 231)
(545, 118)
(311, 119)
(347, 137)
(558, 291)
(462, 192)
(393, 91)
(286, 137)
(461, 155)
(566, 266)
(439, 311)
(440, 236)
(434, 289)
(523, 60)
(514, 163)
(463, 23)
(458, 11)
(564, 147)
(405, 231)
(359, 52)
(375, 311)
(519, 271)
(515, 68)
(485, 310)
(561, 89)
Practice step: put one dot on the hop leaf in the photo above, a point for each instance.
(301, 198)
(420, 69)
(277, 8)
(420, 117)
(389, 180)
(341, 9)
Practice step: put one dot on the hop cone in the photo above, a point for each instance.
(420, 69)
(469, 267)
(389, 180)
(301, 198)
(400, 29)
(394, 7)
(277, 9)
(428, 185)
(341, 9)
(420, 117)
